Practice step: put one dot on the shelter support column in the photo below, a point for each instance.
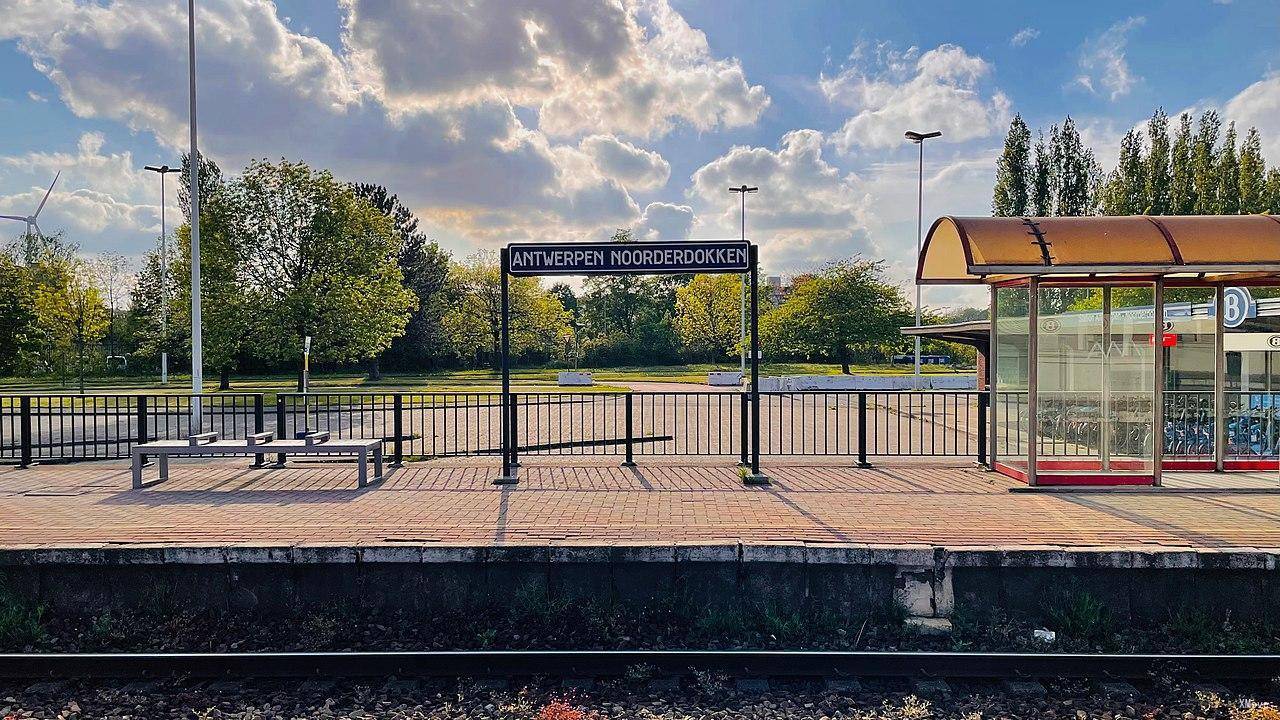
(991, 384)
(1219, 382)
(1104, 437)
(1033, 384)
(1157, 394)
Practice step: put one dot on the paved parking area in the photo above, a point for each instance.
(585, 502)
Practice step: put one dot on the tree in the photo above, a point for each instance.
(569, 300)
(111, 273)
(707, 316)
(1227, 200)
(1156, 172)
(19, 331)
(1272, 201)
(1041, 181)
(314, 259)
(1204, 163)
(538, 323)
(1074, 170)
(845, 309)
(1182, 185)
(148, 304)
(71, 310)
(425, 268)
(629, 319)
(1253, 168)
(1012, 194)
(1126, 190)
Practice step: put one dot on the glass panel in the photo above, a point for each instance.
(1130, 380)
(1011, 370)
(1252, 345)
(1190, 363)
(1070, 378)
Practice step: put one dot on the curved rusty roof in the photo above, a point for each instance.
(992, 249)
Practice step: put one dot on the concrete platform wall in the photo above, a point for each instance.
(847, 579)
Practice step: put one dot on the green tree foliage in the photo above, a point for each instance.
(707, 315)
(1074, 171)
(1182, 183)
(847, 310)
(1253, 169)
(539, 324)
(19, 329)
(70, 311)
(1012, 194)
(1126, 189)
(425, 269)
(1227, 200)
(1156, 169)
(314, 259)
(1272, 193)
(1204, 163)
(1041, 181)
(148, 303)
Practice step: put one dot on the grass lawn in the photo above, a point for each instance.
(607, 379)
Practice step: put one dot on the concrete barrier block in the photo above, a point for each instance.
(398, 554)
(180, 555)
(322, 554)
(1232, 559)
(248, 555)
(628, 554)
(707, 553)
(850, 590)
(774, 553)
(599, 554)
(1173, 559)
(447, 554)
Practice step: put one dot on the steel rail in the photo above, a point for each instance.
(601, 663)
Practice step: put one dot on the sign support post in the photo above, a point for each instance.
(508, 477)
(756, 477)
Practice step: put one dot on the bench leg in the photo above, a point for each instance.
(363, 460)
(137, 471)
(164, 467)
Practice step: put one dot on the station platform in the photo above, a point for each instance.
(925, 534)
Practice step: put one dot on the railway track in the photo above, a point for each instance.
(612, 663)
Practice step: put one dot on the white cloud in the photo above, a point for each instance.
(806, 212)
(585, 65)
(1024, 36)
(1259, 106)
(1103, 62)
(937, 90)
(665, 221)
(633, 167)
(37, 97)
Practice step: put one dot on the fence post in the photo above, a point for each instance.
(24, 405)
(630, 461)
(280, 429)
(514, 429)
(259, 424)
(742, 428)
(398, 429)
(862, 431)
(142, 424)
(983, 399)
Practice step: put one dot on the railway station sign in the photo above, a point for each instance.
(613, 258)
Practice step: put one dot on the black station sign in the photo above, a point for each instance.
(612, 258)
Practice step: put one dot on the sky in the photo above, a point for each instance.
(516, 120)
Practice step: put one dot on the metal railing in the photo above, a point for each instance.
(430, 425)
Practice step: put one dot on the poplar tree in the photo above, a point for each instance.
(1204, 163)
(1271, 201)
(1041, 181)
(1072, 171)
(1011, 196)
(1157, 166)
(1182, 188)
(1228, 171)
(1252, 174)
(1125, 191)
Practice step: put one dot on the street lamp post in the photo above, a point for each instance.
(918, 139)
(164, 275)
(743, 191)
(197, 347)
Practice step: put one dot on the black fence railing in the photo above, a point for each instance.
(430, 425)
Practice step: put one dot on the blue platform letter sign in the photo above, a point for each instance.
(1237, 306)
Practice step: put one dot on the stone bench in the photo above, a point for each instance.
(208, 445)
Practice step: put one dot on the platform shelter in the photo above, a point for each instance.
(1123, 347)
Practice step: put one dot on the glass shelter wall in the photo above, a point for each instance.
(1011, 352)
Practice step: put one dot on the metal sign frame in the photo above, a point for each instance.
(647, 258)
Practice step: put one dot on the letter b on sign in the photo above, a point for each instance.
(1237, 306)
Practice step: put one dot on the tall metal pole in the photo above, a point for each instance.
(508, 442)
(919, 230)
(197, 347)
(164, 290)
(742, 298)
(756, 477)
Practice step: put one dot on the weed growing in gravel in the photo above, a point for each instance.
(20, 623)
(1082, 616)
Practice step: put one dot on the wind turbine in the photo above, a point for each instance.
(30, 220)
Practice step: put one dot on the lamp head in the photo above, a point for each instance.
(918, 138)
(744, 189)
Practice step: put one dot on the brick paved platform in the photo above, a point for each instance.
(578, 501)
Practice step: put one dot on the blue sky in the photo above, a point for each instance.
(511, 120)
